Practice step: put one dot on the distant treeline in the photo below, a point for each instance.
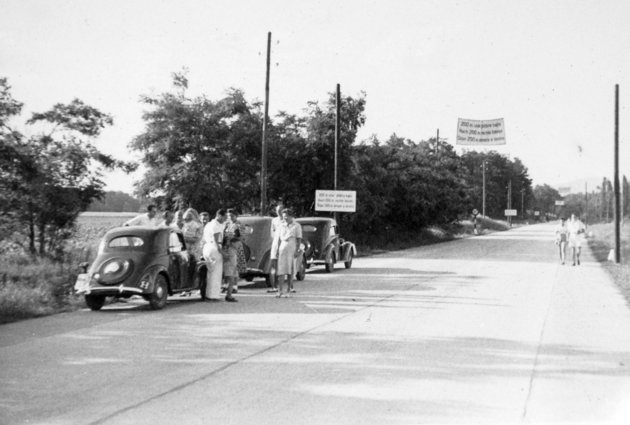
(115, 201)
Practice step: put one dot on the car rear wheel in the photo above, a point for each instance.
(160, 293)
(348, 263)
(331, 266)
(95, 302)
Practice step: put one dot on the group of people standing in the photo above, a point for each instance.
(219, 242)
(570, 232)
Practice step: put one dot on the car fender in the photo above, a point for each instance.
(346, 248)
(152, 272)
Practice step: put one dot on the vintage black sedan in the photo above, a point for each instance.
(257, 240)
(146, 261)
(323, 243)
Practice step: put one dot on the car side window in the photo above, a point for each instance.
(332, 231)
(175, 244)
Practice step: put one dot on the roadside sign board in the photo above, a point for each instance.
(559, 203)
(336, 200)
(510, 213)
(536, 213)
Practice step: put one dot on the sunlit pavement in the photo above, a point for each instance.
(490, 329)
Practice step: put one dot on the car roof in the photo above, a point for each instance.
(315, 220)
(136, 231)
(254, 218)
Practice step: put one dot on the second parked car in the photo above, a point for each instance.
(324, 245)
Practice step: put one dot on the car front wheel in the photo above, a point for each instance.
(95, 302)
(348, 263)
(160, 294)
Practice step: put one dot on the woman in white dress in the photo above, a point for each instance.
(212, 240)
(285, 248)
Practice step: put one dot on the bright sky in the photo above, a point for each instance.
(547, 67)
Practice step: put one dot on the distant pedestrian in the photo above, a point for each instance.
(562, 237)
(576, 233)
(212, 242)
(285, 248)
(149, 219)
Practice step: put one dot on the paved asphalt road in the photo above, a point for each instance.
(489, 329)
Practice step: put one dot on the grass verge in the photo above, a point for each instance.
(601, 242)
(32, 287)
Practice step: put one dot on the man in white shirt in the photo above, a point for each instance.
(212, 241)
(149, 219)
(576, 231)
(275, 225)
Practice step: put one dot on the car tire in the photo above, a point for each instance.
(157, 300)
(301, 273)
(249, 278)
(348, 263)
(331, 266)
(95, 302)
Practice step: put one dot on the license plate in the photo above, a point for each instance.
(83, 283)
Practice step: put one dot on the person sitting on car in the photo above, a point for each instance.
(149, 219)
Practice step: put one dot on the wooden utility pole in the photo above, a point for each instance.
(616, 182)
(337, 136)
(263, 171)
(337, 129)
(483, 190)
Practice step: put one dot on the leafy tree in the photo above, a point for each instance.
(301, 154)
(198, 152)
(500, 173)
(50, 177)
(545, 198)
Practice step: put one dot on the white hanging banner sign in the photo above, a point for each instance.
(480, 132)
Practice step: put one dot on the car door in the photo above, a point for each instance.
(179, 261)
(334, 239)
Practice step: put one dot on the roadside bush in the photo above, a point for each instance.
(31, 287)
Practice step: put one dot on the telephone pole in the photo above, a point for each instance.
(263, 170)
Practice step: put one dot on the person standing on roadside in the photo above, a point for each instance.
(148, 219)
(275, 225)
(205, 218)
(230, 270)
(233, 231)
(562, 236)
(212, 240)
(576, 231)
(193, 232)
(285, 248)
